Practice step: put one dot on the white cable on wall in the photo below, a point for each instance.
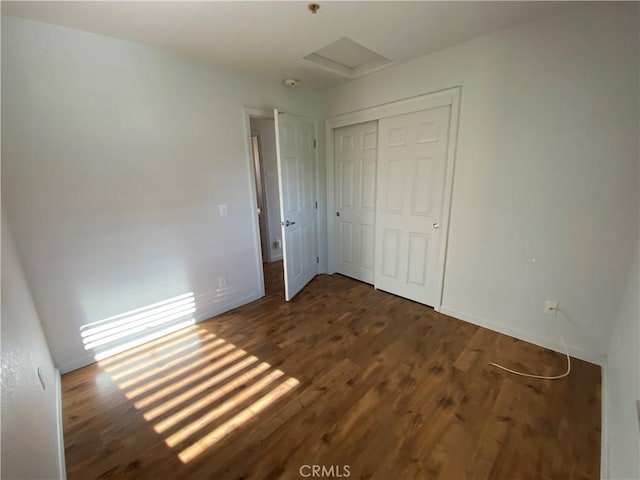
(542, 377)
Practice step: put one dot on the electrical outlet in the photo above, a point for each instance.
(550, 306)
(222, 282)
(222, 210)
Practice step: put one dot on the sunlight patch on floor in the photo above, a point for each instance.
(238, 420)
(177, 400)
(218, 347)
(192, 386)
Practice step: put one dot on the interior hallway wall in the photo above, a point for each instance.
(265, 128)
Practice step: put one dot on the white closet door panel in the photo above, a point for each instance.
(355, 152)
(410, 185)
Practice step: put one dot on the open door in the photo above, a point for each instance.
(295, 146)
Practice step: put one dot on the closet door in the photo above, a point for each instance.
(355, 151)
(411, 176)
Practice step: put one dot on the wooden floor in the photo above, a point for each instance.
(345, 377)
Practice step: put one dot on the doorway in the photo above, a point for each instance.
(265, 177)
(282, 159)
(259, 180)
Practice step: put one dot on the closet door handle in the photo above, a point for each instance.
(436, 226)
(289, 223)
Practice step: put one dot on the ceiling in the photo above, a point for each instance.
(271, 39)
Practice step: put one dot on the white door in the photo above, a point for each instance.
(411, 176)
(295, 146)
(355, 152)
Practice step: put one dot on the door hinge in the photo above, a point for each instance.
(314, 143)
(317, 259)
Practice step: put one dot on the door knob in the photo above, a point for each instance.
(337, 214)
(436, 226)
(289, 223)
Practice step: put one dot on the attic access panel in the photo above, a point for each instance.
(348, 58)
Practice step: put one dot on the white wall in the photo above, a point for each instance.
(621, 381)
(622, 385)
(30, 446)
(546, 170)
(115, 157)
(265, 128)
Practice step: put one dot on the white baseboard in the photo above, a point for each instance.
(62, 467)
(225, 307)
(76, 364)
(202, 315)
(523, 335)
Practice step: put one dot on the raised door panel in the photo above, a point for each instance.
(390, 253)
(295, 254)
(368, 189)
(418, 254)
(292, 185)
(346, 242)
(348, 184)
(366, 246)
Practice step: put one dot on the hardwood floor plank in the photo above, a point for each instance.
(342, 375)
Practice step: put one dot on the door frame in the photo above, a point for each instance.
(449, 96)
